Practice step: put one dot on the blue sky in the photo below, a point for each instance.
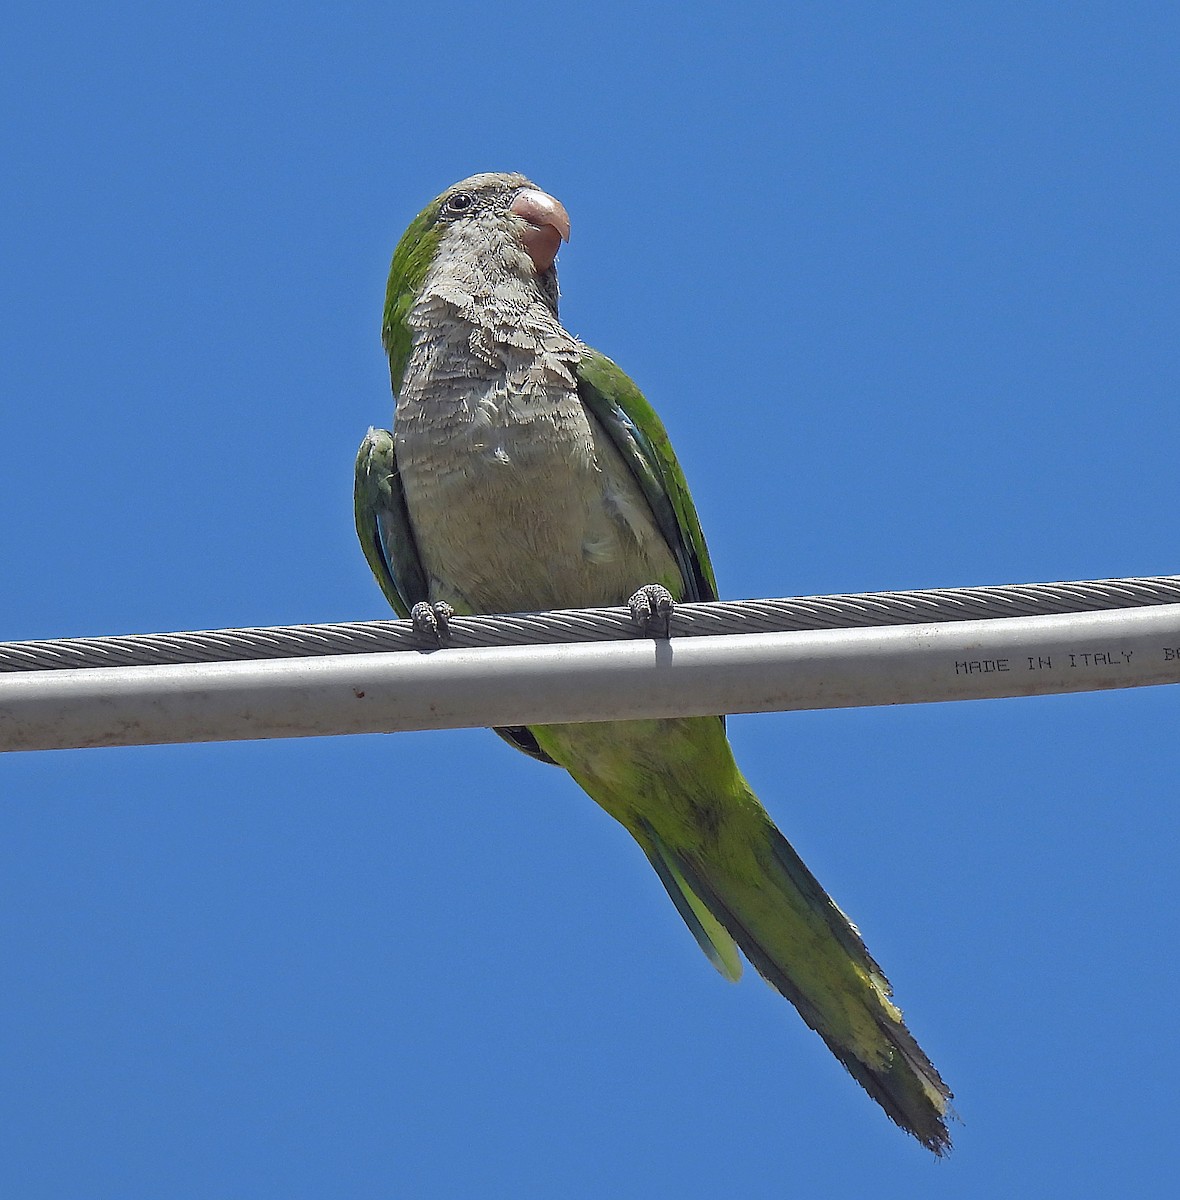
(902, 280)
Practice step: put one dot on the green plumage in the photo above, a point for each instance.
(639, 434)
(526, 471)
(411, 261)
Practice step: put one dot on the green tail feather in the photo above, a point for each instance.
(807, 949)
(734, 878)
(719, 947)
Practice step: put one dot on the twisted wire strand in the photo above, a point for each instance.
(594, 624)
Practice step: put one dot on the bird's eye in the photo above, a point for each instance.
(458, 203)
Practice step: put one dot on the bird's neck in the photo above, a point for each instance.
(470, 327)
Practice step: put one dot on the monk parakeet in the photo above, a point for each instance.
(524, 472)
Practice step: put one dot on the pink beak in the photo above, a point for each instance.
(547, 226)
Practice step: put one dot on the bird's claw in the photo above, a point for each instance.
(652, 604)
(432, 620)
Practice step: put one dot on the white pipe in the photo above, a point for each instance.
(597, 681)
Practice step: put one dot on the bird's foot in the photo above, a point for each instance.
(432, 620)
(651, 609)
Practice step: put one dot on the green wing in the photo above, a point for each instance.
(639, 434)
(383, 524)
(387, 538)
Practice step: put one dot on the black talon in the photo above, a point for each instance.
(432, 620)
(649, 603)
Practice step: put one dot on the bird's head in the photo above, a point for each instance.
(497, 229)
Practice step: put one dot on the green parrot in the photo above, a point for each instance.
(525, 472)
